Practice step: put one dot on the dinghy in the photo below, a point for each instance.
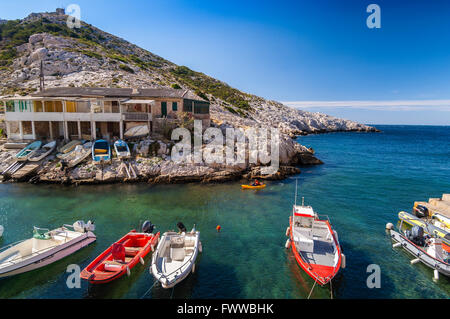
(101, 152)
(122, 149)
(79, 154)
(69, 147)
(28, 151)
(314, 244)
(42, 153)
(175, 256)
(122, 256)
(45, 247)
(424, 248)
(253, 187)
(137, 131)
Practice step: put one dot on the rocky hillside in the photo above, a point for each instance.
(90, 57)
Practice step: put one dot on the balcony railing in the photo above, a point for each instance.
(136, 116)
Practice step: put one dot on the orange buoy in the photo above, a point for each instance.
(218, 228)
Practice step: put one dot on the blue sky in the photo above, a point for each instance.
(296, 51)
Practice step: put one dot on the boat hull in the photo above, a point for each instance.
(253, 187)
(49, 257)
(421, 254)
(321, 274)
(96, 275)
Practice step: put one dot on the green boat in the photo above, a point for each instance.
(24, 154)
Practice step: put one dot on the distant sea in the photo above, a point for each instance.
(366, 180)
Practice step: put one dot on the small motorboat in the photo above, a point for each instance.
(79, 154)
(101, 151)
(314, 243)
(122, 149)
(69, 146)
(28, 151)
(137, 131)
(122, 256)
(45, 247)
(430, 227)
(43, 152)
(424, 248)
(253, 186)
(175, 256)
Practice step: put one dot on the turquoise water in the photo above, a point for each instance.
(366, 180)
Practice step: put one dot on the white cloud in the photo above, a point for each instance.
(396, 105)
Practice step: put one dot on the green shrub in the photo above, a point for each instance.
(176, 86)
(126, 68)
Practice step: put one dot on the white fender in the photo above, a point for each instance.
(193, 268)
(142, 260)
(436, 274)
(152, 247)
(287, 231)
(200, 247)
(128, 272)
(288, 243)
(343, 261)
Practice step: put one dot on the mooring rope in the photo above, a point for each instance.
(171, 295)
(331, 288)
(315, 282)
(156, 281)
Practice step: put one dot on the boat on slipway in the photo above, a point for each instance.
(68, 147)
(101, 151)
(78, 155)
(137, 131)
(43, 152)
(28, 151)
(122, 149)
(175, 256)
(122, 256)
(45, 247)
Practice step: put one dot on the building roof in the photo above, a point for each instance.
(115, 92)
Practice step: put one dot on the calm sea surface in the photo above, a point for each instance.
(366, 180)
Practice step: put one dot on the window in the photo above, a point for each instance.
(187, 106)
(38, 106)
(174, 106)
(201, 107)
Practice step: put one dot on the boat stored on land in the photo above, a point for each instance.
(253, 187)
(101, 151)
(43, 152)
(137, 131)
(45, 247)
(122, 149)
(28, 151)
(122, 256)
(69, 146)
(424, 248)
(79, 154)
(315, 244)
(175, 256)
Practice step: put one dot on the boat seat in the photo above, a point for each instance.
(132, 251)
(177, 254)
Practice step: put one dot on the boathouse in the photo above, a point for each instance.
(93, 113)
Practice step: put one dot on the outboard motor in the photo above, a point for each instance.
(416, 235)
(81, 227)
(181, 227)
(421, 211)
(147, 227)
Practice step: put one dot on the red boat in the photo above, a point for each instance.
(314, 244)
(120, 258)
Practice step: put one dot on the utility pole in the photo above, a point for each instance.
(41, 77)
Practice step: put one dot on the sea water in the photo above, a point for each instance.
(366, 180)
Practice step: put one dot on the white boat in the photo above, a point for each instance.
(425, 249)
(79, 154)
(28, 151)
(137, 131)
(45, 247)
(43, 152)
(2, 229)
(122, 149)
(175, 256)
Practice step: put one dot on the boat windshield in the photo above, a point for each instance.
(122, 149)
(101, 145)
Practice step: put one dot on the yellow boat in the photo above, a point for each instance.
(253, 187)
(428, 227)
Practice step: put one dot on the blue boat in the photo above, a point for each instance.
(122, 149)
(101, 151)
(24, 154)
